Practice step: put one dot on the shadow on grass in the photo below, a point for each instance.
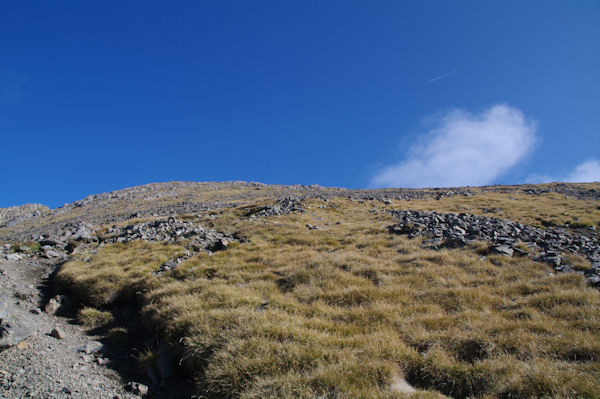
(129, 347)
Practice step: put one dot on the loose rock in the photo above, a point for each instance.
(58, 333)
(14, 257)
(137, 388)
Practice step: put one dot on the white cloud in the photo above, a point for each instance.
(585, 172)
(589, 171)
(464, 150)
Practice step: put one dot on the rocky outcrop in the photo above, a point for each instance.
(505, 237)
(282, 206)
(566, 189)
(194, 237)
(12, 330)
(17, 214)
(169, 230)
(70, 232)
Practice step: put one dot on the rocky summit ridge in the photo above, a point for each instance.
(176, 198)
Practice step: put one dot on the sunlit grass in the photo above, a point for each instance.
(346, 310)
(91, 317)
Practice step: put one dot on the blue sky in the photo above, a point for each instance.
(97, 96)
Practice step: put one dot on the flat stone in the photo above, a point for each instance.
(593, 279)
(503, 250)
(52, 254)
(14, 257)
(520, 251)
(90, 347)
(12, 332)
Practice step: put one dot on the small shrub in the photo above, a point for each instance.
(35, 246)
(92, 318)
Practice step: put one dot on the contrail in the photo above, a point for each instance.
(446, 74)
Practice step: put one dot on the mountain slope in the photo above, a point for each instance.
(293, 291)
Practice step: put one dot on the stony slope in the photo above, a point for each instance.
(40, 365)
(176, 198)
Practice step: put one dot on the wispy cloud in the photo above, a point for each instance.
(585, 172)
(464, 149)
(445, 75)
(588, 171)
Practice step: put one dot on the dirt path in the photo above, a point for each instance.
(43, 366)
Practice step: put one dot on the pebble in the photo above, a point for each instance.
(58, 333)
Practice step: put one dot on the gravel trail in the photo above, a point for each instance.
(43, 366)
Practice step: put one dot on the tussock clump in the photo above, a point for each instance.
(92, 318)
(115, 272)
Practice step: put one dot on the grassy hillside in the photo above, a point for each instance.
(349, 310)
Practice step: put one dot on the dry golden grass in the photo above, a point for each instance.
(346, 310)
(91, 317)
(115, 273)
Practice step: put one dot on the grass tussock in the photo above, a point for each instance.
(93, 318)
(116, 271)
(346, 310)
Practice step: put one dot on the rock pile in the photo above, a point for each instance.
(566, 189)
(456, 230)
(283, 206)
(58, 247)
(403, 194)
(20, 252)
(169, 230)
(80, 232)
